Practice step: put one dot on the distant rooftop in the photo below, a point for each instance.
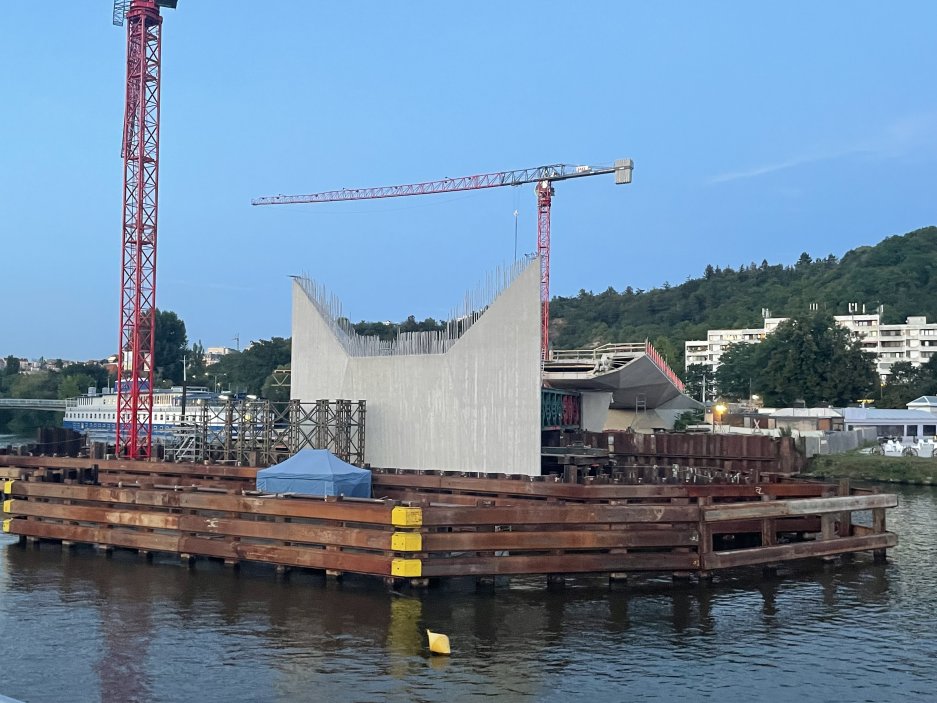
(806, 412)
(926, 400)
(888, 415)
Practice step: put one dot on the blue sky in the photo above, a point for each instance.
(757, 132)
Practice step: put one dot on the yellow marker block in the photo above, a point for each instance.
(406, 517)
(407, 568)
(6, 525)
(8, 506)
(8, 487)
(406, 542)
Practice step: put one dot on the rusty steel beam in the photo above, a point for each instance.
(567, 514)
(798, 550)
(116, 537)
(559, 564)
(102, 516)
(198, 546)
(305, 557)
(372, 512)
(793, 524)
(525, 487)
(48, 462)
(232, 485)
(576, 539)
(807, 506)
(376, 538)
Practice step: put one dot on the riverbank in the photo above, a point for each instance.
(910, 470)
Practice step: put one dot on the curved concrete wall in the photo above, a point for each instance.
(473, 408)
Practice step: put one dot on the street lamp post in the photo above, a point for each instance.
(718, 411)
(215, 378)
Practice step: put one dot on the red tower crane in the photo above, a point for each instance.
(140, 151)
(542, 176)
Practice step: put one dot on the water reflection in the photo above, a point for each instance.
(162, 632)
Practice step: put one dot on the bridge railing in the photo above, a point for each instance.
(593, 355)
(32, 404)
(664, 367)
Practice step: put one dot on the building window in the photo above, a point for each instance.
(930, 430)
(889, 430)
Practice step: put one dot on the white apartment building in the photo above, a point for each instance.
(915, 340)
(214, 354)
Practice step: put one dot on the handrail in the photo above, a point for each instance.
(597, 352)
(33, 404)
(658, 360)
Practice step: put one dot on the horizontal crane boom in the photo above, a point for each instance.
(556, 172)
(543, 176)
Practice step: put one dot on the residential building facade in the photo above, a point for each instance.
(914, 340)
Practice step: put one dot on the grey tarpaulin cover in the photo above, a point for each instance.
(315, 472)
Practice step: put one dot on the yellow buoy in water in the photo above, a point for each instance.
(438, 644)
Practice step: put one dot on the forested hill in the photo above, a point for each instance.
(899, 273)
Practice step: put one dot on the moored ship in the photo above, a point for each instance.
(95, 414)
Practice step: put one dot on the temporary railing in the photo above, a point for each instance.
(595, 354)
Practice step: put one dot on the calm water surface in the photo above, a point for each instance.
(79, 627)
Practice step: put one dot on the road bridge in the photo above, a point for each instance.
(32, 404)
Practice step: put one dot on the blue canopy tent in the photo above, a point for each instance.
(315, 472)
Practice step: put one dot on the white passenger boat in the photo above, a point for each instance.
(95, 414)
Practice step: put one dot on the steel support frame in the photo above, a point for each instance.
(544, 199)
(138, 258)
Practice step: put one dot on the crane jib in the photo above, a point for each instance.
(555, 172)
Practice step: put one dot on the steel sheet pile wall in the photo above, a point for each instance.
(732, 452)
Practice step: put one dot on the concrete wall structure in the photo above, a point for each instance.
(475, 406)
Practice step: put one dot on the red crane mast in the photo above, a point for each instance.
(542, 176)
(140, 152)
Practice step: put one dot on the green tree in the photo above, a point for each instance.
(72, 385)
(11, 366)
(904, 384)
(813, 359)
(274, 391)
(739, 372)
(97, 372)
(195, 364)
(686, 418)
(248, 370)
(696, 377)
(43, 385)
(169, 346)
(667, 349)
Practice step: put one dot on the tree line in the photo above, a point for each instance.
(896, 273)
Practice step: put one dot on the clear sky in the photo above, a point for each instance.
(758, 130)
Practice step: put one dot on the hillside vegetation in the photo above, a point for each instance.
(898, 273)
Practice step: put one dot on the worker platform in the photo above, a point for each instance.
(623, 386)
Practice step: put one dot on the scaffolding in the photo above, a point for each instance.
(263, 432)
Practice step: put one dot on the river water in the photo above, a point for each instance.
(15, 440)
(75, 626)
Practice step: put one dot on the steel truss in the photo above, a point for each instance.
(262, 432)
(138, 261)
